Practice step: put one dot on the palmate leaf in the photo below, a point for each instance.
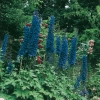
(10, 82)
(36, 95)
(24, 94)
(38, 86)
(31, 83)
(25, 87)
(59, 98)
(7, 97)
(17, 93)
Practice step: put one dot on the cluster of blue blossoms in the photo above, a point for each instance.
(35, 31)
(4, 46)
(31, 37)
(63, 54)
(25, 45)
(72, 57)
(84, 68)
(3, 53)
(58, 46)
(50, 38)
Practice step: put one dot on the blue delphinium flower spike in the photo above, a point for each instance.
(83, 74)
(63, 54)
(35, 30)
(84, 68)
(50, 38)
(72, 57)
(25, 45)
(58, 46)
(4, 46)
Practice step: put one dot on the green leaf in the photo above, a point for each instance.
(18, 93)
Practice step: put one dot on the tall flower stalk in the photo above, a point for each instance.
(84, 69)
(4, 46)
(72, 57)
(83, 74)
(63, 54)
(58, 46)
(35, 30)
(50, 40)
(24, 47)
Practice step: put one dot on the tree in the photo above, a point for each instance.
(13, 16)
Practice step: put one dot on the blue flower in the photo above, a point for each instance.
(72, 57)
(36, 13)
(25, 45)
(63, 54)
(50, 38)
(4, 46)
(83, 73)
(58, 46)
(84, 68)
(35, 30)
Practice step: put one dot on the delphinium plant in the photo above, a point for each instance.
(29, 46)
(85, 50)
(9, 55)
(63, 54)
(4, 46)
(72, 57)
(4, 53)
(24, 47)
(35, 31)
(50, 40)
(58, 45)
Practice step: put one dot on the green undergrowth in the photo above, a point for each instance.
(41, 83)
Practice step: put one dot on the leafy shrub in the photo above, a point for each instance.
(39, 84)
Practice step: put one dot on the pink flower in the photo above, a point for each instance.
(98, 98)
(91, 43)
(90, 50)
